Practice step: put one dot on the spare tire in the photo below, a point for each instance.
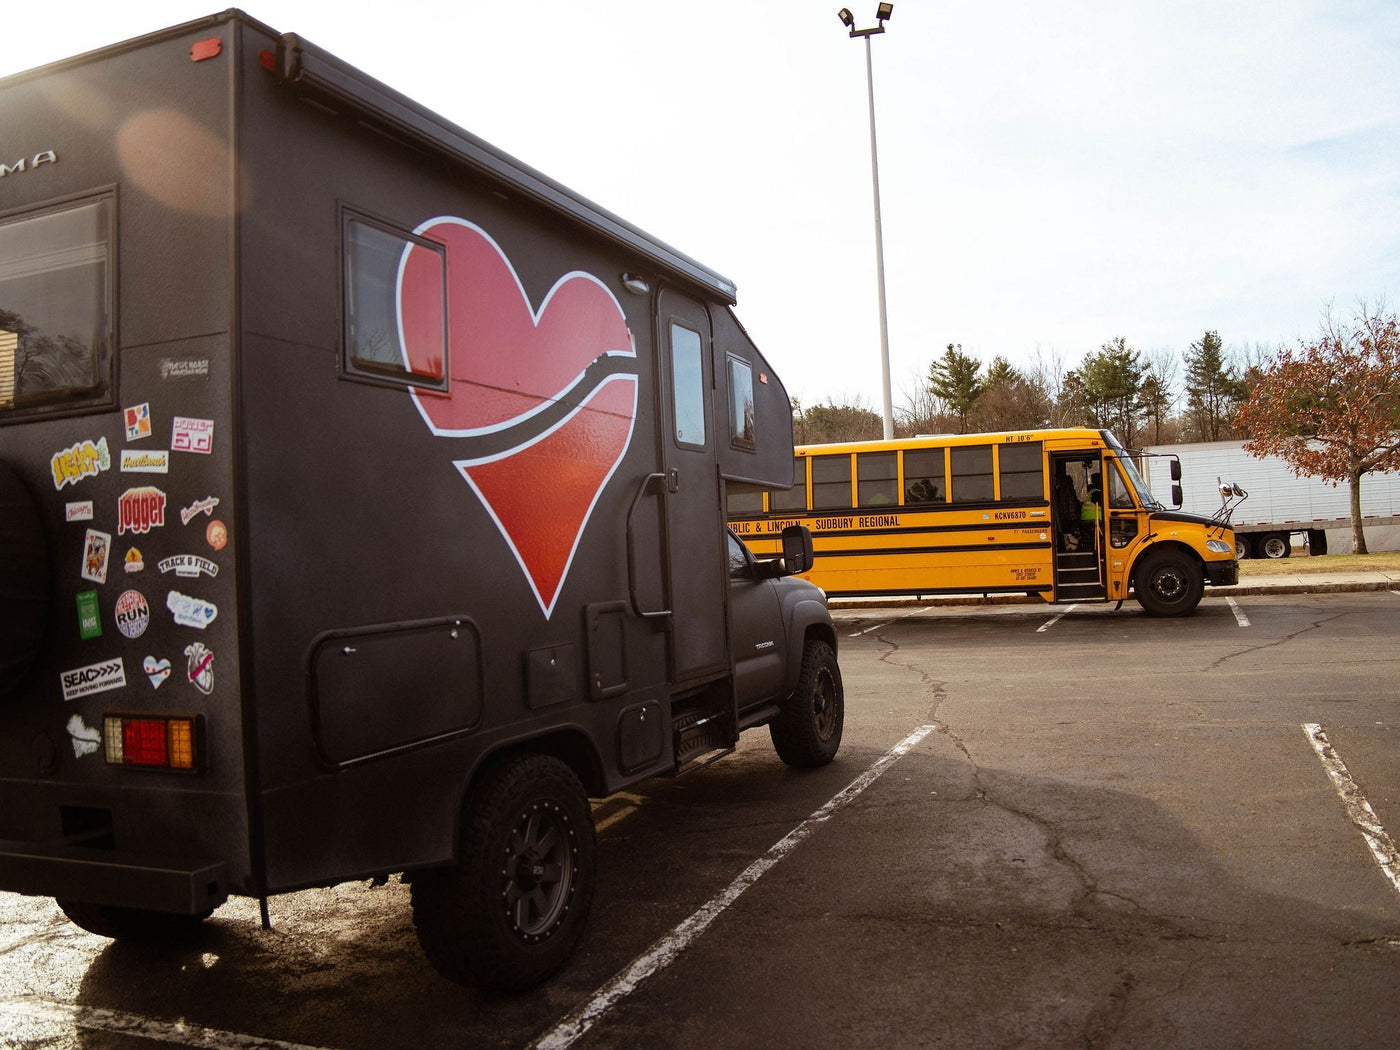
(25, 591)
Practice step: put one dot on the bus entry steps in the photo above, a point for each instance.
(1077, 576)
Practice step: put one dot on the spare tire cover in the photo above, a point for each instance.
(25, 590)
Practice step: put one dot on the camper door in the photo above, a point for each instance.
(695, 563)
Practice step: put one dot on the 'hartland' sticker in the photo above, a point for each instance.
(95, 678)
(145, 461)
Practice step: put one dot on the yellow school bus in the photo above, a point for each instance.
(1060, 514)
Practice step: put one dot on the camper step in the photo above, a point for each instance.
(694, 733)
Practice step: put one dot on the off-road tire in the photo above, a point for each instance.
(808, 730)
(511, 911)
(1168, 583)
(134, 924)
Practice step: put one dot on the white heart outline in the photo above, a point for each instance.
(546, 606)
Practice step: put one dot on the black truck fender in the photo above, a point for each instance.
(804, 617)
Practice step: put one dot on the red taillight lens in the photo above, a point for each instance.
(143, 742)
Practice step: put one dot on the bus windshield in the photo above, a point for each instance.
(1145, 497)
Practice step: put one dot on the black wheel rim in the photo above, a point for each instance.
(1168, 585)
(537, 879)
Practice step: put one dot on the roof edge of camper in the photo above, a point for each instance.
(307, 67)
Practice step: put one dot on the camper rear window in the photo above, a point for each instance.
(56, 317)
(395, 291)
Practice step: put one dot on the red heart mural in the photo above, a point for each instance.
(540, 403)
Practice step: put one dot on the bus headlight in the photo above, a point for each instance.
(1218, 546)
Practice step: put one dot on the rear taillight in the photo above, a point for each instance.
(152, 741)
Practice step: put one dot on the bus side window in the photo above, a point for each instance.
(877, 479)
(795, 498)
(972, 474)
(1022, 470)
(1118, 495)
(831, 482)
(923, 476)
(743, 502)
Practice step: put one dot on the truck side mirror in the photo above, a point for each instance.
(1176, 471)
(797, 550)
(1176, 494)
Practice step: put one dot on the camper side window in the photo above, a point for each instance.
(56, 316)
(741, 410)
(395, 305)
(688, 385)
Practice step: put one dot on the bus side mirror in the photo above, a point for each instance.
(797, 550)
(1176, 494)
(1176, 473)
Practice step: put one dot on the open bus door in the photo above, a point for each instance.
(1076, 481)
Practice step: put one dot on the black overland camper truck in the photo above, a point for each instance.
(361, 506)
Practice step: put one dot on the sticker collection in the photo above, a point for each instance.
(141, 513)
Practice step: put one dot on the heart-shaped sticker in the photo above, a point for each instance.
(156, 670)
(539, 401)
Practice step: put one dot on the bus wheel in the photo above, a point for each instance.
(24, 568)
(133, 924)
(808, 730)
(511, 911)
(1274, 545)
(1168, 583)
